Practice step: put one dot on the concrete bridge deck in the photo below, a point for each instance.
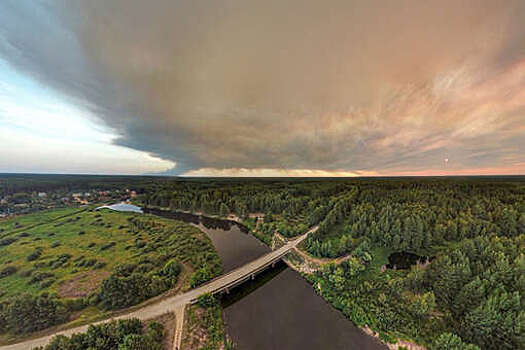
(170, 304)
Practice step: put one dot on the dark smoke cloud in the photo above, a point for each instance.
(333, 85)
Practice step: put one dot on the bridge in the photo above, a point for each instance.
(178, 302)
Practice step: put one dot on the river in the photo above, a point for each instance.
(279, 310)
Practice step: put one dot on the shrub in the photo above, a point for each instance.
(99, 265)
(108, 245)
(46, 283)
(172, 269)
(7, 271)
(206, 300)
(35, 254)
(7, 241)
(26, 273)
(119, 292)
(40, 276)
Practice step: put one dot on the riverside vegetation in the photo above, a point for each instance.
(470, 296)
(80, 263)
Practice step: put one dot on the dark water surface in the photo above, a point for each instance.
(279, 310)
(285, 313)
(403, 260)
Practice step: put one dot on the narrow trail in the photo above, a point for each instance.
(179, 327)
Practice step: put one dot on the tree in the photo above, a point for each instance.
(224, 211)
(138, 342)
(450, 341)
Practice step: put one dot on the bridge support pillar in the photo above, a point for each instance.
(273, 264)
(227, 290)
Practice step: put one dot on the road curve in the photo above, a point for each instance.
(171, 303)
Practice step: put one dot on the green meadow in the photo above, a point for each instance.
(70, 252)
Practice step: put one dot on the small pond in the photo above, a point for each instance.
(403, 260)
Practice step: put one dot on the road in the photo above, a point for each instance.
(171, 304)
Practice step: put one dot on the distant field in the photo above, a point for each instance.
(25, 222)
(70, 251)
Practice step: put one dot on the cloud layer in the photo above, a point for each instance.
(349, 87)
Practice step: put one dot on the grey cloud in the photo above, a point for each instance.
(284, 84)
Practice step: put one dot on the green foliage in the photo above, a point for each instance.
(450, 341)
(207, 300)
(207, 321)
(172, 269)
(7, 271)
(136, 274)
(25, 313)
(200, 276)
(121, 335)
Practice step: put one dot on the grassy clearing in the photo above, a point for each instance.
(81, 246)
(70, 254)
(26, 222)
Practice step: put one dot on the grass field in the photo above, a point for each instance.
(70, 252)
(26, 222)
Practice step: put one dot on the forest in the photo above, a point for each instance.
(470, 294)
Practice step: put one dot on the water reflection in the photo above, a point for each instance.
(285, 313)
(403, 260)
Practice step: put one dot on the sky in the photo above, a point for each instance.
(262, 88)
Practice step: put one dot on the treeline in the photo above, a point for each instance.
(417, 216)
(27, 313)
(129, 334)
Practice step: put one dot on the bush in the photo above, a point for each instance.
(35, 254)
(99, 265)
(121, 335)
(46, 283)
(108, 245)
(206, 300)
(172, 269)
(40, 276)
(7, 271)
(120, 292)
(7, 241)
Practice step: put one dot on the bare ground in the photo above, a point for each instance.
(82, 285)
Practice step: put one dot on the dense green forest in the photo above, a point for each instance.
(474, 228)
